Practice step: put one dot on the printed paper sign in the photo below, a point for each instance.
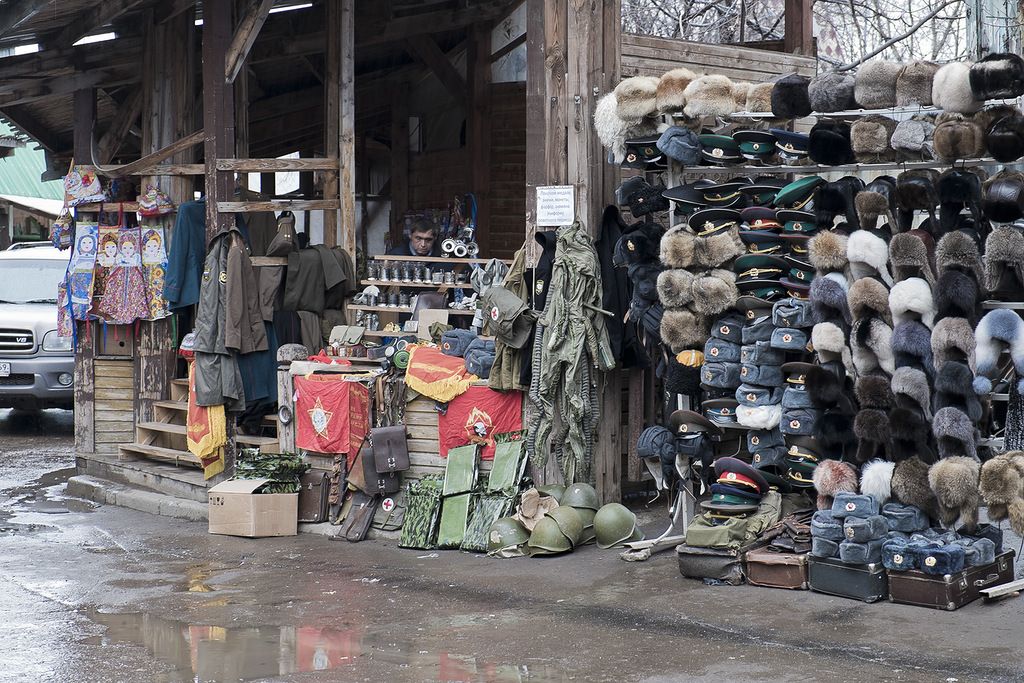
(556, 205)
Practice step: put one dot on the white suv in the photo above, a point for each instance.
(36, 364)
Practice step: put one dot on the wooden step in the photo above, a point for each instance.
(163, 454)
(267, 444)
(164, 427)
(171, 405)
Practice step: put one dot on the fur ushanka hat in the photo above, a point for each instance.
(877, 200)
(912, 346)
(669, 94)
(911, 434)
(1000, 328)
(683, 329)
(828, 300)
(827, 252)
(834, 427)
(913, 138)
(1002, 487)
(1004, 259)
(998, 76)
(830, 345)
(613, 131)
(636, 98)
(871, 424)
(916, 190)
(759, 98)
(876, 480)
(837, 198)
(832, 91)
(789, 97)
(953, 389)
(951, 89)
(868, 254)
(958, 189)
(740, 92)
(956, 296)
(709, 96)
(956, 250)
(869, 138)
(832, 477)
(957, 137)
(680, 248)
(910, 389)
(910, 299)
(909, 257)
(914, 84)
(910, 486)
(875, 84)
(954, 480)
(953, 339)
(955, 434)
(1005, 138)
(869, 297)
(829, 143)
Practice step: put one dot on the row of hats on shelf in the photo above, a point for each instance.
(637, 104)
(996, 131)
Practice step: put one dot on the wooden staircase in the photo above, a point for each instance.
(164, 438)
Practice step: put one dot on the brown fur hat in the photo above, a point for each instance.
(868, 296)
(989, 115)
(954, 481)
(832, 477)
(759, 98)
(875, 84)
(675, 288)
(869, 138)
(709, 96)
(671, 86)
(957, 250)
(827, 251)
(914, 84)
(636, 98)
(957, 137)
(870, 206)
(910, 486)
(740, 92)
(1002, 487)
(715, 292)
(909, 257)
(953, 339)
(680, 248)
(874, 391)
(683, 329)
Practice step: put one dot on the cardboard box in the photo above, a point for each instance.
(235, 510)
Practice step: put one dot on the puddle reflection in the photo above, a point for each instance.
(215, 653)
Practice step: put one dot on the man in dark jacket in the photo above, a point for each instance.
(422, 241)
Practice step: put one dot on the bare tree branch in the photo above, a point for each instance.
(892, 41)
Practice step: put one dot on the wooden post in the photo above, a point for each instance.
(799, 27)
(347, 127)
(399, 161)
(478, 124)
(332, 102)
(84, 106)
(218, 112)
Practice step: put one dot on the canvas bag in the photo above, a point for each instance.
(82, 186)
(419, 528)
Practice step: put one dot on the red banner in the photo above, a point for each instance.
(331, 415)
(477, 416)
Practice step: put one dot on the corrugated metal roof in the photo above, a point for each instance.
(20, 171)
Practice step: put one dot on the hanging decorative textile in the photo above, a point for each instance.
(332, 415)
(65, 322)
(124, 286)
(80, 270)
(476, 417)
(82, 186)
(436, 375)
(206, 429)
(62, 230)
(154, 270)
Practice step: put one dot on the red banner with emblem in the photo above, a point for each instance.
(332, 415)
(477, 416)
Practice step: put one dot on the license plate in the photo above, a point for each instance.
(5, 369)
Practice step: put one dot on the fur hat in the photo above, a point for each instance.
(909, 258)
(636, 98)
(829, 343)
(954, 481)
(871, 427)
(832, 91)
(917, 190)
(953, 389)
(829, 143)
(956, 295)
(833, 429)
(1004, 259)
(875, 84)
(715, 292)
(740, 92)
(1002, 198)
(759, 98)
(874, 391)
(827, 251)
(612, 130)
(914, 84)
(868, 296)
(910, 390)
(759, 417)
(828, 300)
(671, 86)
(824, 388)
(866, 248)
(680, 248)
(910, 486)
(789, 97)
(953, 339)
(709, 96)
(998, 76)
(912, 296)
(1002, 487)
(832, 477)
(683, 329)
(912, 346)
(675, 288)
(987, 117)
(1005, 138)
(951, 89)
(913, 138)
(957, 250)
(869, 138)
(871, 343)
(876, 480)
(955, 434)
(911, 435)
(999, 327)
(957, 137)
(870, 206)
(958, 189)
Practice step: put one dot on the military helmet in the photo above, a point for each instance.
(587, 515)
(506, 533)
(614, 524)
(580, 496)
(569, 522)
(547, 538)
(553, 490)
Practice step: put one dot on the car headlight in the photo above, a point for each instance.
(54, 342)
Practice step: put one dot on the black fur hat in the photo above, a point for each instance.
(916, 190)
(911, 435)
(1005, 139)
(789, 97)
(837, 198)
(958, 189)
(874, 391)
(956, 296)
(871, 427)
(829, 143)
(824, 388)
(998, 76)
(953, 388)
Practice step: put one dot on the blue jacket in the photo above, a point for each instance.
(187, 254)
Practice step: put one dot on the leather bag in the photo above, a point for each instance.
(360, 517)
(365, 477)
(314, 494)
(390, 449)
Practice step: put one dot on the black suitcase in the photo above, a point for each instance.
(866, 582)
(949, 591)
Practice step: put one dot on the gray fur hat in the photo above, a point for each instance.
(1004, 251)
(709, 96)
(913, 384)
(951, 89)
(957, 250)
(869, 138)
(868, 296)
(998, 329)
(910, 486)
(908, 257)
(832, 91)
(683, 329)
(955, 433)
(952, 339)
(871, 343)
(912, 346)
(954, 480)
(827, 251)
(669, 93)
(912, 139)
(875, 84)
(956, 296)
(636, 98)
(867, 248)
(828, 299)
(914, 84)
(911, 297)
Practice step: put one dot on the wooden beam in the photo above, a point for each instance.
(18, 12)
(279, 205)
(439, 21)
(101, 14)
(126, 116)
(67, 84)
(110, 54)
(331, 93)
(399, 162)
(218, 112)
(277, 165)
(425, 50)
(478, 128)
(169, 10)
(84, 107)
(245, 37)
(29, 124)
(799, 27)
(347, 128)
(143, 165)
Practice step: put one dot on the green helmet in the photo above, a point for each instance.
(506, 533)
(614, 524)
(587, 515)
(580, 496)
(553, 490)
(548, 539)
(569, 522)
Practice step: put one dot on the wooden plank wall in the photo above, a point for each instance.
(436, 178)
(648, 56)
(508, 168)
(114, 390)
(424, 451)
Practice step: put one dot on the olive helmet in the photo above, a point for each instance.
(547, 538)
(553, 490)
(615, 524)
(587, 515)
(580, 496)
(504, 535)
(569, 522)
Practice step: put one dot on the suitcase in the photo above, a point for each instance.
(950, 591)
(776, 570)
(720, 564)
(314, 494)
(865, 582)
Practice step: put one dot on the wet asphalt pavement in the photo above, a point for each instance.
(92, 593)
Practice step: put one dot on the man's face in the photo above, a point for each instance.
(422, 242)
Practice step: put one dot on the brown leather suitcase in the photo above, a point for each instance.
(776, 570)
(314, 492)
(949, 591)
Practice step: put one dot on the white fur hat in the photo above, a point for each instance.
(870, 249)
(759, 417)
(710, 96)
(913, 295)
(636, 98)
(876, 480)
(951, 89)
